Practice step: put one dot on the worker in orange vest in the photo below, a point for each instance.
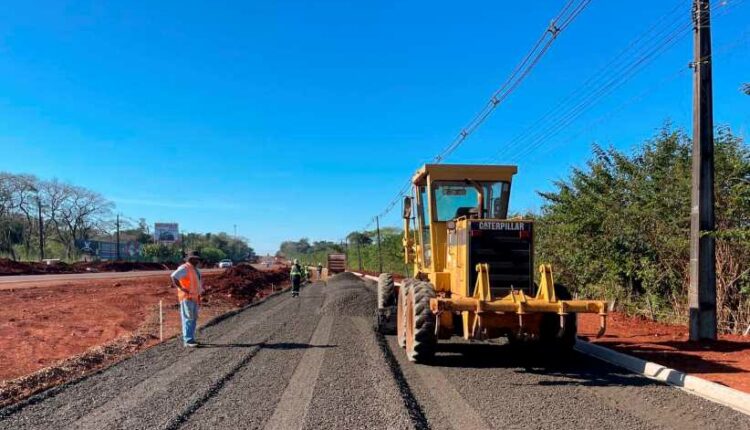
(187, 280)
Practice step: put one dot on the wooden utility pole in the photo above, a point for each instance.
(359, 250)
(117, 238)
(380, 253)
(41, 228)
(702, 295)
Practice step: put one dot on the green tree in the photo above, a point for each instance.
(161, 253)
(619, 228)
(211, 255)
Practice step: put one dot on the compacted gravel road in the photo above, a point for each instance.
(315, 362)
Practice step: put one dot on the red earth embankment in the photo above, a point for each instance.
(725, 361)
(51, 334)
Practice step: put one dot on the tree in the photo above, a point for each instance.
(161, 253)
(356, 237)
(211, 255)
(619, 228)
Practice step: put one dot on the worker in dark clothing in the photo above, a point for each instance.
(296, 276)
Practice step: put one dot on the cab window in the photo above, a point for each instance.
(424, 225)
(454, 199)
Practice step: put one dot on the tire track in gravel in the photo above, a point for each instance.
(160, 387)
(292, 408)
(251, 397)
(355, 389)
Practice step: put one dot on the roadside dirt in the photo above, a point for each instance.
(49, 335)
(726, 361)
(10, 267)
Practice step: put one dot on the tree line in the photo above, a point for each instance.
(361, 250)
(44, 219)
(619, 229)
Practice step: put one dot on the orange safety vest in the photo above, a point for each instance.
(191, 283)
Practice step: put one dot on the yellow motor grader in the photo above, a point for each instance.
(474, 269)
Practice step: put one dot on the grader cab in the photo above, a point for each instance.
(473, 268)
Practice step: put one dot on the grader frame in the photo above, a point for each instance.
(473, 267)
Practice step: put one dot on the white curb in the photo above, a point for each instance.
(735, 399)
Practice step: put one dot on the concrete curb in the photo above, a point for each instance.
(708, 390)
(375, 278)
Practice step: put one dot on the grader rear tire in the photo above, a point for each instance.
(401, 311)
(550, 327)
(385, 290)
(421, 339)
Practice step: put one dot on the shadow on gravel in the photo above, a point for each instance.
(575, 368)
(280, 345)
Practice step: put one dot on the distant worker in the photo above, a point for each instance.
(187, 280)
(320, 271)
(296, 275)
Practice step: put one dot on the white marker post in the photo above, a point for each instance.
(161, 321)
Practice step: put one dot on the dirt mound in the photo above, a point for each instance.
(10, 267)
(345, 277)
(121, 266)
(242, 282)
(347, 295)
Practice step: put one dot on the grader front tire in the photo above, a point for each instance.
(401, 307)
(421, 339)
(385, 290)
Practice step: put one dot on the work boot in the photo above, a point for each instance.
(191, 344)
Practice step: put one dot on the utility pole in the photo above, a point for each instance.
(117, 237)
(380, 253)
(359, 251)
(702, 294)
(41, 228)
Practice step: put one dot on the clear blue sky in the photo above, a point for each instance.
(299, 118)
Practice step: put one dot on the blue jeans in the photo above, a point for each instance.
(189, 314)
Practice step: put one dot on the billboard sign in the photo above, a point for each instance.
(166, 232)
(108, 250)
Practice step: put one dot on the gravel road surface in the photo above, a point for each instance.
(315, 362)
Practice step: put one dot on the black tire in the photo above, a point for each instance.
(401, 309)
(385, 291)
(550, 327)
(421, 348)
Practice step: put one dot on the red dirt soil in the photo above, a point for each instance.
(41, 326)
(725, 361)
(10, 267)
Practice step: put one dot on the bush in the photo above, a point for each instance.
(211, 255)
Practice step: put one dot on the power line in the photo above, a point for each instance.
(564, 18)
(744, 37)
(615, 74)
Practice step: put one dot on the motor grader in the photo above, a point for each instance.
(473, 268)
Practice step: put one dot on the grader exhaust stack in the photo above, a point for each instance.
(474, 269)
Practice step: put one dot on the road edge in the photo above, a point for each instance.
(717, 393)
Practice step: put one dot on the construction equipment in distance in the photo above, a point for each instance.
(336, 263)
(474, 268)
